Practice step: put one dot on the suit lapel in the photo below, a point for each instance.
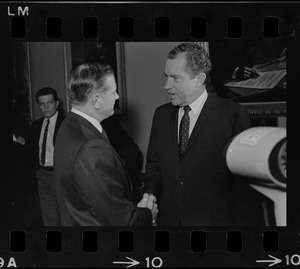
(174, 131)
(36, 137)
(126, 178)
(96, 133)
(174, 125)
(202, 120)
(59, 120)
(39, 127)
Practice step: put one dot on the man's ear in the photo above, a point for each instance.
(57, 104)
(201, 78)
(96, 101)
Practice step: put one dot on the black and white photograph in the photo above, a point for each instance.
(154, 155)
(147, 134)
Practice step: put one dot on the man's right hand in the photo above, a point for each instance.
(148, 201)
(154, 212)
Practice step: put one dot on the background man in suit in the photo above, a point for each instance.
(186, 172)
(41, 148)
(92, 184)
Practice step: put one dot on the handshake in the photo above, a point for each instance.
(148, 201)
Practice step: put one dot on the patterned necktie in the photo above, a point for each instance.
(184, 130)
(43, 156)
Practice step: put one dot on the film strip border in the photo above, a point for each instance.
(126, 27)
(146, 21)
(160, 247)
(164, 247)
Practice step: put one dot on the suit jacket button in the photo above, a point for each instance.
(178, 209)
(181, 183)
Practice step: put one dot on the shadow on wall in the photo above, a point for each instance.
(132, 126)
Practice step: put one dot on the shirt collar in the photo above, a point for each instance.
(52, 119)
(197, 105)
(92, 120)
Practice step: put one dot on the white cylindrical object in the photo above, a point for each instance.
(259, 152)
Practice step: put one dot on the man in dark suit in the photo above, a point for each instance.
(92, 184)
(186, 171)
(41, 148)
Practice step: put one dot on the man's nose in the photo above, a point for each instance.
(168, 84)
(117, 96)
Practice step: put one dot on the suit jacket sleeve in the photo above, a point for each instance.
(153, 176)
(32, 148)
(101, 183)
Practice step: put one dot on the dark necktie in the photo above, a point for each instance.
(43, 155)
(184, 130)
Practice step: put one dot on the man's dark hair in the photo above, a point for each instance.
(85, 78)
(46, 91)
(197, 59)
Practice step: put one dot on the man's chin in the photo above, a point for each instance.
(174, 103)
(111, 113)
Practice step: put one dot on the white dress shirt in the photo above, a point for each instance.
(49, 144)
(194, 113)
(92, 120)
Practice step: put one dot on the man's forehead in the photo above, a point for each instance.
(176, 64)
(46, 97)
(110, 81)
(110, 78)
